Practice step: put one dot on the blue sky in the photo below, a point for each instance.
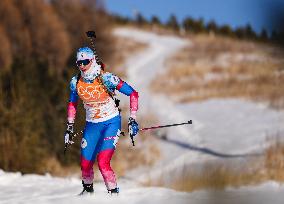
(258, 13)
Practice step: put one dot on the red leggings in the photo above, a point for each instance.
(103, 158)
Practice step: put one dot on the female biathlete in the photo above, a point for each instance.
(103, 121)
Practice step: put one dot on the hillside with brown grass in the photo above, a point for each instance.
(213, 67)
(220, 67)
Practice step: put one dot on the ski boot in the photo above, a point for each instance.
(115, 190)
(87, 189)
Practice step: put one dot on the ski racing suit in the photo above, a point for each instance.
(103, 122)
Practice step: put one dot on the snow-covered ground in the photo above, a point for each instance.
(221, 128)
(18, 189)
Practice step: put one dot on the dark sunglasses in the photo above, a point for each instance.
(83, 62)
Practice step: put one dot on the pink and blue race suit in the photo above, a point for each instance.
(103, 122)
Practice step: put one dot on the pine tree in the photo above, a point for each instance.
(139, 19)
(188, 24)
(172, 23)
(249, 33)
(263, 35)
(211, 26)
(155, 20)
(225, 30)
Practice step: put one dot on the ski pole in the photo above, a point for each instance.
(131, 136)
(132, 140)
(160, 126)
(164, 126)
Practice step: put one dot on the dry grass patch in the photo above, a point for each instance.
(214, 176)
(223, 173)
(52, 165)
(223, 67)
(274, 161)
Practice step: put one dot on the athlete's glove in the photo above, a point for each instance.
(133, 127)
(68, 133)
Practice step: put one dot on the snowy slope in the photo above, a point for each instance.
(27, 189)
(15, 188)
(222, 126)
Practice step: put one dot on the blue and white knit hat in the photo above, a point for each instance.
(85, 53)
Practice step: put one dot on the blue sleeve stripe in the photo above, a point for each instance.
(73, 96)
(126, 89)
